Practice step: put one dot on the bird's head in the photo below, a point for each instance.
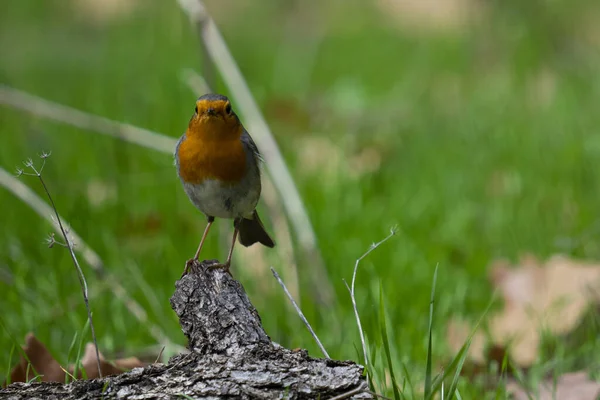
(214, 119)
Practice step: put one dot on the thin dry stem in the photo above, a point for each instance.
(70, 246)
(352, 293)
(159, 355)
(194, 81)
(216, 48)
(312, 332)
(356, 391)
(41, 107)
(348, 394)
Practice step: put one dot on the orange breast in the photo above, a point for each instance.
(199, 159)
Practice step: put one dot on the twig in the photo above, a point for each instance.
(80, 119)
(24, 193)
(84, 288)
(352, 293)
(159, 355)
(216, 48)
(349, 394)
(314, 335)
(352, 392)
(194, 81)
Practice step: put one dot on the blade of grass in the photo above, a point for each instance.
(71, 347)
(78, 359)
(430, 332)
(501, 388)
(35, 378)
(437, 383)
(386, 344)
(373, 356)
(357, 352)
(458, 396)
(371, 368)
(458, 360)
(8, 370)
(520, 378)
(67, 374)
(461, 362)
(409, 381)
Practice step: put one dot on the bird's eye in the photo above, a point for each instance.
(228, 108)
(196, 110)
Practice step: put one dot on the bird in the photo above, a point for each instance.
(218, 165)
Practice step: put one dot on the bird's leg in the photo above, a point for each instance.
(190, 263)
(210, 222)
(227, 263)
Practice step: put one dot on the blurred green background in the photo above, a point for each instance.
(472, 125)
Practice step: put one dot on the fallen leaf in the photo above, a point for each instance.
(432, 15)
(88, 361)
(323, 157)
(571, 386)
(551, 297)
(105, 10)
(43, 365)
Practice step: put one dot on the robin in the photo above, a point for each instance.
(218, 164)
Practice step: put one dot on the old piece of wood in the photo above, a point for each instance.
(231, 356)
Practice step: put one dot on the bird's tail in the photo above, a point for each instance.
(252, 231)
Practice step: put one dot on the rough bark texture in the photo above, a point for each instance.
(231, 357)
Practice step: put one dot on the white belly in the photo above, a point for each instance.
(217, 200)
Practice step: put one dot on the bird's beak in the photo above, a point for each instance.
(211, 111)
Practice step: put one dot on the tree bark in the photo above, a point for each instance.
(230, 356)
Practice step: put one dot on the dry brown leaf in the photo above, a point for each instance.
(105, 10)
(41, 363)
(323, 157)
(551, 297)
(88, 361)
(432, 15)
(571, 386)
(320, 155)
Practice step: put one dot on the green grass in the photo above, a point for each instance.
(485, 141)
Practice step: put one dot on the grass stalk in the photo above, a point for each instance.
(37, 172)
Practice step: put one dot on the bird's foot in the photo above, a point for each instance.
(223, 266)
(190, 266)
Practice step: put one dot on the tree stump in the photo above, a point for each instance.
(230, 356)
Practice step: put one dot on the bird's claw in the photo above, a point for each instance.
(224, 267)
(190, 266)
